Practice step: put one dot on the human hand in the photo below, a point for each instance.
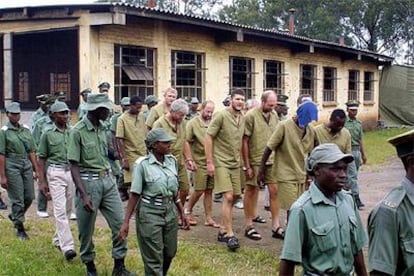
(45, 190)
(185, 224)
(125, 164)
(123, 232)
(210, 169)
(87, 204)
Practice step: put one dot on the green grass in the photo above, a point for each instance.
(377, 149)
(38, 257)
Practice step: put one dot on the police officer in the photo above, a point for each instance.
(155, 189)
(17, 163)
(391, 222)
(355, 128)
(324, 232)
(96, 188)
(150, 101)
(43, 109)
(104, 87)
(59, 186)
(193, 110)
(82, 106)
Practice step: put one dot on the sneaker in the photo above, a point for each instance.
(3, 205)
(73, 216)
(70, 254)
(239, 204)
(42, 214)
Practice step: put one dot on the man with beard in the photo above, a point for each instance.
(325, 233)
(170, 95)
(96, 189)
(223, 156)
(203, 183)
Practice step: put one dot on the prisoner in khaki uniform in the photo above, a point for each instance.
(324, 232)
(170, 95)
(53, 150)
(391, 222)
(17, 162)
(260, 123)
(96, 188)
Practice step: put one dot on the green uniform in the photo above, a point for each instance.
(323, 236)
(391, 232)
(191, 114)
(342, 139)
(82, 110)
(52, 145)
(354, 127)
(88, 147)
(15, 145)
(37, 115)
(156, 224)
(155, 113)
(291, 145)
(177, 147)
(131, 128)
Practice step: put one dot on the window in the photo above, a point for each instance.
(241, 71)
(308, 80)
(353, 85)
(368, 86)
(23, 86)
(329, 84)
(60, 82)
(273, 76)
(187, 74)
(134, 71)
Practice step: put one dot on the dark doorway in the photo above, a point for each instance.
(45, 63)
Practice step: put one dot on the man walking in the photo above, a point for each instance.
(170, 95)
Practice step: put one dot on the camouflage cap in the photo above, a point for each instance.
(404, 143)
(13, 107)
(59, 106)
(157, 135)
(327, 153)
(151, 99)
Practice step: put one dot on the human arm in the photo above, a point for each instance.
(125, 162)
(132, 203)
(42, 178)
(208, 148)
(246, 157)
(265, 156)
(75, 171)
(3, 177)
(361, 149)
(32, 158)
(359, 264)
(188, 157)
(287, 268)
(184, 219)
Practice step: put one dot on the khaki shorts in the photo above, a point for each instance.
(268, 176)
(202, 181)
(227, 180)
(289, 192)
(183, 178)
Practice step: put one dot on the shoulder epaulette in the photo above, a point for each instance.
(394, 198)
(26, 126)
(140, 159)
(5, 128)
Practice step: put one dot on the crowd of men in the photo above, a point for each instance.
(309, 170)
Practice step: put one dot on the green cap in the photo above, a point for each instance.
(125, 101)
(327, 153)
(352, 104)
(282, 99)
(157, 135)
(13, 107)
(86, 91)
(404, 143)
(43, 99)
(59, 106)
(194, 100)
(99, 100)
(151, 99)
(104, 85)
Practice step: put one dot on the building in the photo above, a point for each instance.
(141, 50)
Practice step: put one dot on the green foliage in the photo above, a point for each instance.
(39, 257)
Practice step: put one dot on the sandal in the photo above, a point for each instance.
(232, 243)
(279, 233)
(221, 237)
(252, 234)
(259, 219)
(212, 223)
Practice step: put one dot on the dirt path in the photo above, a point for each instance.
(375, 182)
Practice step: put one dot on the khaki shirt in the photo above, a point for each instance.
(291, 147)
(391, 232)
(131, 128)
(88, 146)
(195, 134)
(342, 138)
(355, 129)
(53, 145)
(177, 146)
(259, 130)
(155, 113)
(324, 236)
(114, 121)
(153, 178)
(16, 140)
(227, 130)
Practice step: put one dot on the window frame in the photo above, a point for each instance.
(249, 87)
(279, 75)
(329, 89)
(353, 82)
(312, 79)
(368, 93)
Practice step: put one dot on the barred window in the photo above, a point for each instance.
(329, 84)
(353, 85)
(273, 76)
(23, 86)
(241, 75)
(60, 82)
(368, 86)
(308, 80)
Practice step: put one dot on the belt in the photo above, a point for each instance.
(59, 166)
(94, 175)
(17, 155)
(157, 200)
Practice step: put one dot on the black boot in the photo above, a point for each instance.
(21, 232)
(119, 268)
(91, 269)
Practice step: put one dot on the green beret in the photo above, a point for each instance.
(403, 143)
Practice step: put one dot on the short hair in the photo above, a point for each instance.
(337, 113)
(205, 103)
(238, 91)
(266, 95)
(135, 99)
(169, 89)
(179, 105)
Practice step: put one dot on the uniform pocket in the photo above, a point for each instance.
(325, 236)
(90, 151)
(409, 253)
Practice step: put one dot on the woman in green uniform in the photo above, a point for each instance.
(155, 188)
